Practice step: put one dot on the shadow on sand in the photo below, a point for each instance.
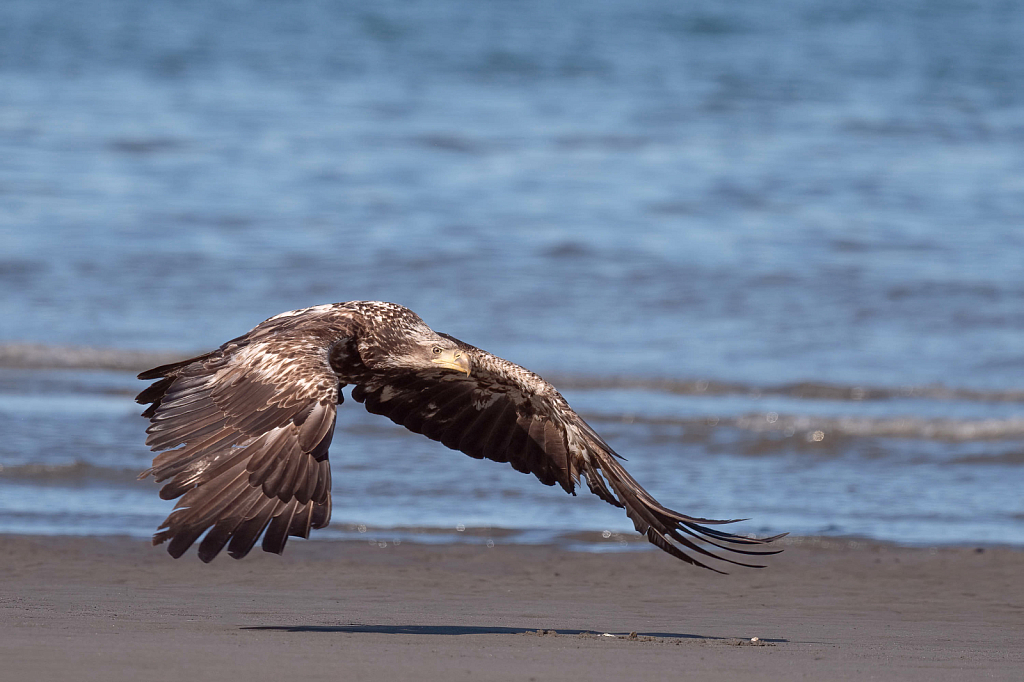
(474, 630)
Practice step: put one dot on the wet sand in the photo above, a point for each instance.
(118, 609)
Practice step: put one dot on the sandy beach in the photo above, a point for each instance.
(118, 609)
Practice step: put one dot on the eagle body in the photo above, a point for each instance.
(243, 431)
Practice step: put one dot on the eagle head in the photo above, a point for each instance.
(450, 357)
(415, 349)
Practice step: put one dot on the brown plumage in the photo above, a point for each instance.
(243, 431)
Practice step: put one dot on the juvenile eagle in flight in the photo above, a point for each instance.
(244, 430)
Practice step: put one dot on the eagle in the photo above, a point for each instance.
(242, 432)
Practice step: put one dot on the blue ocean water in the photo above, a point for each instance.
(771, 249)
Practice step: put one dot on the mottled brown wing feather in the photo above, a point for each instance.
(505, 413)
(244, 433)
(476, 415)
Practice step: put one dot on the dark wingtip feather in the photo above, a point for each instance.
(664, 527)
(154, 392)
(171, 368)
(157, 372)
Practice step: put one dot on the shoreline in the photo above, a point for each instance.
(825, 608)
(623, 541)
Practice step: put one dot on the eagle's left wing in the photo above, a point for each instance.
(504, 412)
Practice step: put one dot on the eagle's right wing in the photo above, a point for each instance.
(244, 433)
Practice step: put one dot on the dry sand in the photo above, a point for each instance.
(117, 609)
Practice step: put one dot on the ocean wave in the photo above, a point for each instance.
(1005, 458)
(76, 473)
(42, 356)
(803, 390)
(818, 428)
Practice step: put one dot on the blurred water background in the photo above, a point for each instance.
(770, 249)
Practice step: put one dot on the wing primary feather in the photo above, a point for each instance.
(554, 448)
(645, 522)
(321, 514)
(322, 491)
(266, 450)
(610, 465)
(249, 531)
(317, 423)
(302, 521)
(278, 472)
(202, 504)
(172, 368)
(598, 486)
(154, 392)
(645, 517)
(277, 532)
(223, 530)
(748, 552)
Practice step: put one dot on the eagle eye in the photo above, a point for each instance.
(437, 350)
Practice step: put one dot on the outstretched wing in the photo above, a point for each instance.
(244, 433)
(506, 413)
(484, 415)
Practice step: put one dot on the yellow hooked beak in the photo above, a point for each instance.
(453, 359)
